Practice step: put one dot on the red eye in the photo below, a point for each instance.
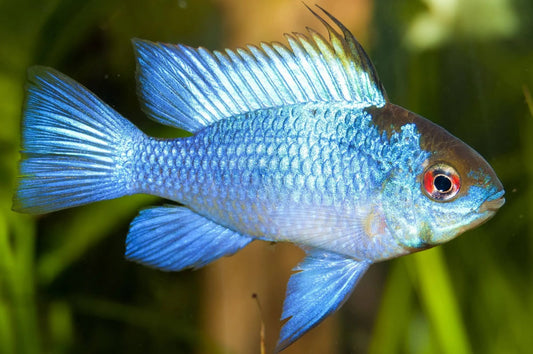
(441, 182)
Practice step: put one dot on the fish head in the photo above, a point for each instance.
(447, 191)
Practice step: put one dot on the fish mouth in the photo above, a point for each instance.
(493, 204)
(486, 211)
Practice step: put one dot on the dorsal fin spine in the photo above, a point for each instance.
(317, 86)
(203, 78)
(262, 72)
(335, 68)
(225, 59)
(279, 51)
(191, 97)
(230, 95)
(328, 61)
(193, 88)
(342, 50)
(249, 83)
(207, 74)
(285, 94)
(337, 47)
(310, 90)
(262, 81)
(362, 58)
(196, 85)
(319, 66)
(284, 75)
(206, 79)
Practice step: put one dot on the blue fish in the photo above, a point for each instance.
(291, 142)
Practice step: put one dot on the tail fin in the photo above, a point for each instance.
(74, 146)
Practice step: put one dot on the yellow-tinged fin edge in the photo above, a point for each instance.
(191, 88)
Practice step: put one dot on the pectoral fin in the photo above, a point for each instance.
(175, 238)
(323, 283)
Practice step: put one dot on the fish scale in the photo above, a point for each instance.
(310, 170)
(294, 143)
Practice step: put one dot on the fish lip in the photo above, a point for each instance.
(486, 211)
(493, 203)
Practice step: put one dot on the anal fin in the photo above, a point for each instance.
(174, 238)
(323, 283)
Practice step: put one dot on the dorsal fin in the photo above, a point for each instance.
(192, 88)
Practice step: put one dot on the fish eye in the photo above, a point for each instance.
(441, 182)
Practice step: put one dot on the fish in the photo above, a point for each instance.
(290, 142)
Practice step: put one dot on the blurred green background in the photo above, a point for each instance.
(65, 286)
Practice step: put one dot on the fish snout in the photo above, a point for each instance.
(492, 204)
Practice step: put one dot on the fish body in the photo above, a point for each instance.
(306, 174)
(294, 143)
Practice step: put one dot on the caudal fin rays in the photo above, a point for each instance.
(72, 145)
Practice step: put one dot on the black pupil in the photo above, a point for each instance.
(442, 183)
